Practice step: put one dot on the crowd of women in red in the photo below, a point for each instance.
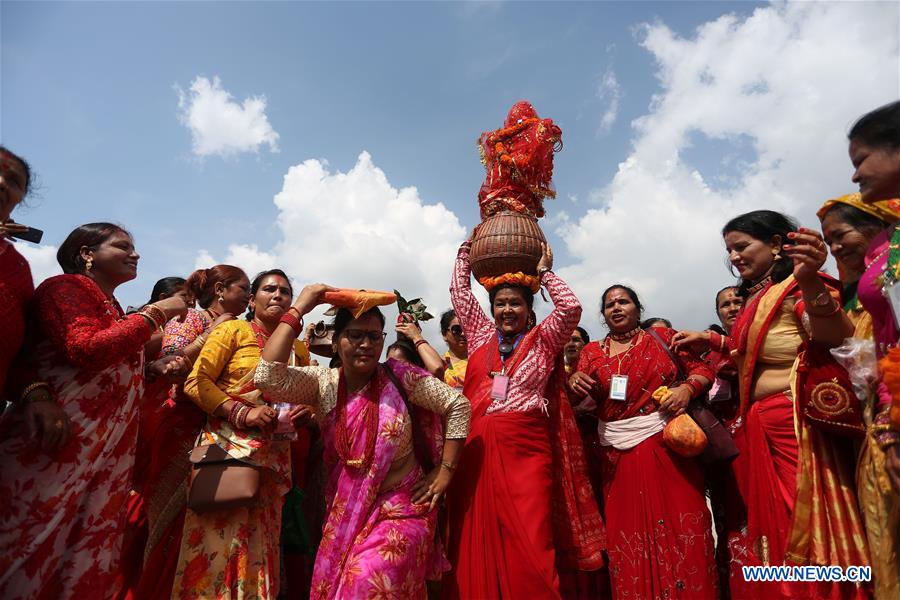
(526, 461)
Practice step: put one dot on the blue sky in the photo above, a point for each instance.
(90, 96)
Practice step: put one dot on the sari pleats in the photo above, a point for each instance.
(659, 530)
(881, 511)
(502, 545)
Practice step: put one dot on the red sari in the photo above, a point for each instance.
(659, 531)
(63, 522)
(523, 502)
(171, 427)
(796, 482)
(16, 290)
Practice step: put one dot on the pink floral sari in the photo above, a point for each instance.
(378, 545)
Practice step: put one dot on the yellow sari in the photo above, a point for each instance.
(235, 553)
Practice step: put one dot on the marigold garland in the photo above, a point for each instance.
(532, 282)
(890, 373)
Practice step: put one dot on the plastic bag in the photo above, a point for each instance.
(858, 357)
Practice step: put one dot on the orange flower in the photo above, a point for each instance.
(532, 282)
(890, 373)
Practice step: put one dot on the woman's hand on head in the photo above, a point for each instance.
(311, 296)
(808, 251)
(546, 262)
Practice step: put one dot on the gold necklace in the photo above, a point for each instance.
(760, 285)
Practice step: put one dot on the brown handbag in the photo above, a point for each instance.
(219, 481)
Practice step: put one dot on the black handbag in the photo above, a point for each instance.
(721, 446)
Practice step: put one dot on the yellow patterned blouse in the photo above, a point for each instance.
(231, 351)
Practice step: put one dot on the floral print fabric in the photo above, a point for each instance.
(62, 526)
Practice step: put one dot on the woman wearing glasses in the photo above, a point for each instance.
(388, 459)
(457, 356)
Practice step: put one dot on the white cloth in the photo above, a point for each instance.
(628, 433)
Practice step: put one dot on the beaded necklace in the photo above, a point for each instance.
(622, 337)
(369, 417)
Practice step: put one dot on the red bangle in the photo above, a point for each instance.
(420, 342)
(232, 414)
(295, 323)
(696, 387)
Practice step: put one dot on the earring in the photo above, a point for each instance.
(88, 264)
(221, 298)
(530, 322)
(776, 253)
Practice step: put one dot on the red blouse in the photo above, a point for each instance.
(85, 327)
(647, 366)
(16, 290)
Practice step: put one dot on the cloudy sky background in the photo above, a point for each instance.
(337, 140)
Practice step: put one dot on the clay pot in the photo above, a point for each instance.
(507, 242)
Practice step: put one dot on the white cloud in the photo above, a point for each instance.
(356, 230)
(221, 126)
(791, 78)
(610, 92)
(41, 259)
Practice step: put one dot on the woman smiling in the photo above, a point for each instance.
(62, 536)
(669, 522)
(787, 471)
(508, 526)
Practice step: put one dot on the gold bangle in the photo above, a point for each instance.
(32, 387)
(448, 466)
(154, 314)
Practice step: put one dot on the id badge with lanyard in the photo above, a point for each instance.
(500, 383)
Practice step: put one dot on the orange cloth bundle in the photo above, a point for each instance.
(681, 435)
(359, 301)
(890, 373)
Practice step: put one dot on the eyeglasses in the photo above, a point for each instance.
(456, 330)
(356, 336)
